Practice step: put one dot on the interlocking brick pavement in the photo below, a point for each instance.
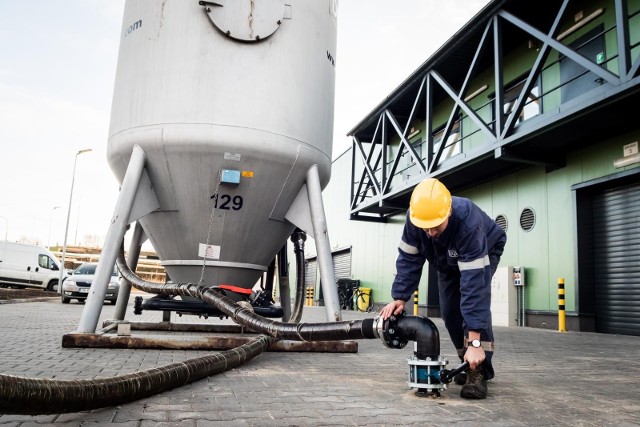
(543, 378)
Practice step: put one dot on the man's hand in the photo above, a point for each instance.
(475, 356)
(393, 308)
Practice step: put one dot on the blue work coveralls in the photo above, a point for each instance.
(465, 256)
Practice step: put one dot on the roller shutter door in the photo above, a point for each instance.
(342, 264)
(310, 272)
(616, 226)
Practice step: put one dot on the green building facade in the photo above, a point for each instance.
(536, 105)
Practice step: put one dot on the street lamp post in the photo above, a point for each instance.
(50, 225)
(66, 230)
(6, 230)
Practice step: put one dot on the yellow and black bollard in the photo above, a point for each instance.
(415, 303)
(309, 296)
(562, 319)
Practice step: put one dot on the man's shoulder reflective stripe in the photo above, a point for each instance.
(475, 264)
(405, 247)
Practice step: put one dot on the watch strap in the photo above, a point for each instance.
(486, 345)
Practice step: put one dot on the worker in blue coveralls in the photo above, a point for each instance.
(464, 245)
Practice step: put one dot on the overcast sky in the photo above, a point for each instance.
(57, 68)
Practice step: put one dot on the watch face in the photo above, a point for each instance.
(475, 343)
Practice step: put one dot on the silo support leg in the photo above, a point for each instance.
(132, 261)
(323, 247)
(111, 249)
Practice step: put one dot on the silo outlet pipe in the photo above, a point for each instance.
(334, 331)
(298, 238)
(395, 332)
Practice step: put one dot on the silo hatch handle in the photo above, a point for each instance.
(210, 3)
(246, 20)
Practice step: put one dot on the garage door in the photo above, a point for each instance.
(310, 272)
(616, 239)
(342, 264)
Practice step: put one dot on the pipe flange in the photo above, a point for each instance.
(391, 334)
(426, 375)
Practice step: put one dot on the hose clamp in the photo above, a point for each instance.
(378, 325)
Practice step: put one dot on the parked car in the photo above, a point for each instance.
(28, 266)
(78, 284)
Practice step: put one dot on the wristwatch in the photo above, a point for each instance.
(475, 343)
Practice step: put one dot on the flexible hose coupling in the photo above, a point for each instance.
(389, 332)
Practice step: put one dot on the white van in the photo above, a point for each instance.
(32, 266)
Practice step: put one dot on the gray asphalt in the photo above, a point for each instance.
(543, 378)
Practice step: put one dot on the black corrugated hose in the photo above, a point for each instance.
(32, 396)
(298, 238)
(35, 396)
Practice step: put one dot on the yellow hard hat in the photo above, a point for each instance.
(430, 204)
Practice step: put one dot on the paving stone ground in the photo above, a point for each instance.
(543, 378)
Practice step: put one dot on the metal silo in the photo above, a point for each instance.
(230, 103)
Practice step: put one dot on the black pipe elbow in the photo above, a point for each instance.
(424, 332)
(398, 330)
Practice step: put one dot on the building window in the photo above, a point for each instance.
(417, 146)
(453, 145)
(411, 167)
(532, 105)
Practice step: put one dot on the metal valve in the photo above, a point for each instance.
(446, 375)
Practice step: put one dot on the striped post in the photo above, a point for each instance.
(415, 303)
(309, 296)
(562, 320)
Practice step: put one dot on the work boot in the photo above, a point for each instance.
(460, 379)
(476, 386)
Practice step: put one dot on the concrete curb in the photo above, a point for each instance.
(18, 301)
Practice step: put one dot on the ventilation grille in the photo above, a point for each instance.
(501, 220)
(527, 219)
